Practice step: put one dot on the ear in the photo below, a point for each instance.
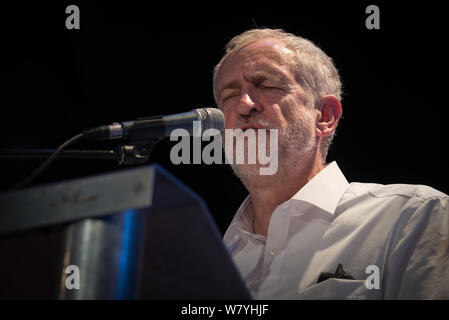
(329, 115)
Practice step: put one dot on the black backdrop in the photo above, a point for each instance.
(129, 61)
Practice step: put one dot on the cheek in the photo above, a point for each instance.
(230, 119)
(282, 113)
(280, 118)
(293, 112)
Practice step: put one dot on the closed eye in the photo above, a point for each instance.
(269, 88)
(228, 97)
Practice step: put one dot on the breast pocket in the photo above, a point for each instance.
(339, 289)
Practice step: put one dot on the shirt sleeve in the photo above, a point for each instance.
(423, 265)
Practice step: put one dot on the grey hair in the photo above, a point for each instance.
(314, 70)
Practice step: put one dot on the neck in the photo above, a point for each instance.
(267, 195)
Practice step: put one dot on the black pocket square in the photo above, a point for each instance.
(339, 274)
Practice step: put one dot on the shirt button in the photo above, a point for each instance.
(274, 252)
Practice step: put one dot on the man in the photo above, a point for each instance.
(305, 232)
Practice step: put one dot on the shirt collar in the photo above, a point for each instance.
(324, 190)
(243, 219)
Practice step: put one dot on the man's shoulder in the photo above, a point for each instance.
(393, 202)
(405, 191)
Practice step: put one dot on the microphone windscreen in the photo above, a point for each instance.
(212, 118)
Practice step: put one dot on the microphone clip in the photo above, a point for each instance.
(134, 154)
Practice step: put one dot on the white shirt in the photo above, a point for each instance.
(403, 230)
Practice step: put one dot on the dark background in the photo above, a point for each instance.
(129, 61)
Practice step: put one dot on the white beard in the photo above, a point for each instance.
(295, 144)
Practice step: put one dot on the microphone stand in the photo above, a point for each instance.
(123, 154)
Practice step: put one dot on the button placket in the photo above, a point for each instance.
(275, 245)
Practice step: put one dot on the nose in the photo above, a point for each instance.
(248, 105)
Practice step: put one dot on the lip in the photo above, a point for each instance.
(251, 126)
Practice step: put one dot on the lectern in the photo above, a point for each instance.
(132, 234)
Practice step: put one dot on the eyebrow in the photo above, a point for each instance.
(260, 76)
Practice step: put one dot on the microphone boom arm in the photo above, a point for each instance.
(122, 154)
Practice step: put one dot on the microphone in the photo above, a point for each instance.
(154, 128)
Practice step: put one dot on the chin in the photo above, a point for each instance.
(249, 174)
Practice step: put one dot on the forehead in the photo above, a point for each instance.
(263, 54)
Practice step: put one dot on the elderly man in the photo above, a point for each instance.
(305, 232)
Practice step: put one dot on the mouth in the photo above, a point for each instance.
(251, 126)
